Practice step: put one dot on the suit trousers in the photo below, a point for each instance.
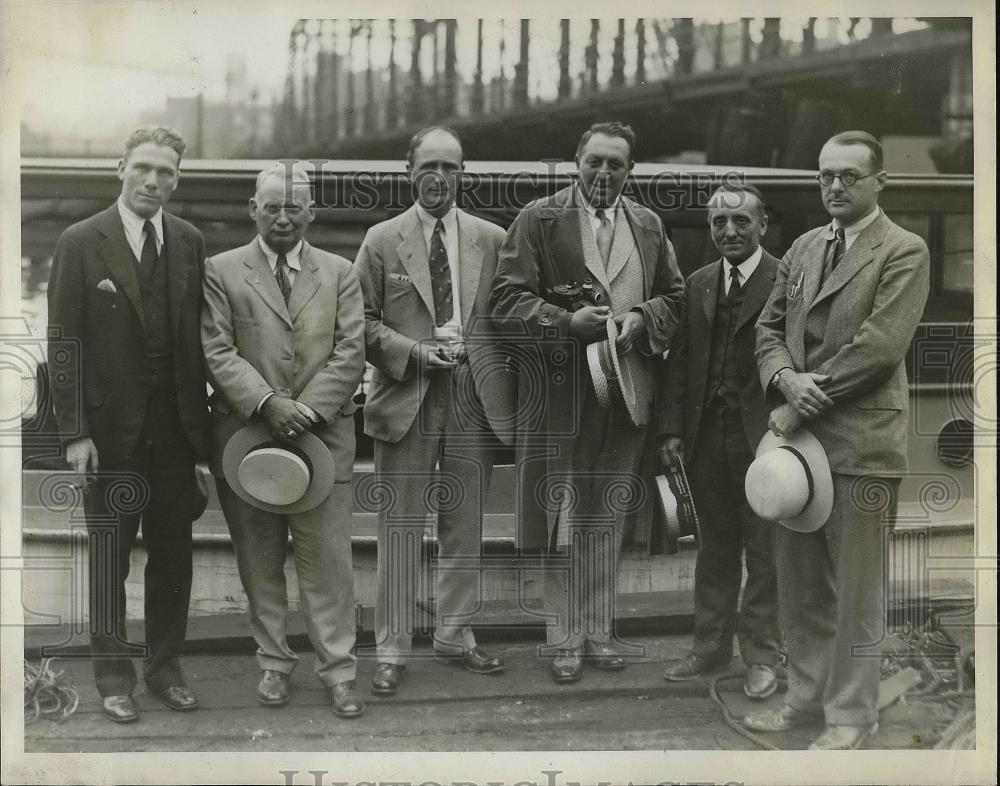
(154, 488)
(729, 528)
(321, 541)
(450, 431)
(830, 585)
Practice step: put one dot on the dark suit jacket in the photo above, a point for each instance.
(867, 312)
(103, 326)
(543, 247)
(682, 390)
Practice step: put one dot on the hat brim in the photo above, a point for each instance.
(817, 511)
(321, 479)
(626, 380)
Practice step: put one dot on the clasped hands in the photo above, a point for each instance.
(590, 323)
(285, 418)
(804, 399)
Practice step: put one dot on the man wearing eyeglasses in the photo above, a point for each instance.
(831, 342)
(283, 333)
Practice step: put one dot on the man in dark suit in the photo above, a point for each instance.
(438, 398)
(831, 344)
(578, 462)
(712, 411)
(126, 288)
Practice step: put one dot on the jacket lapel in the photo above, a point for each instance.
(756, 291)
(861, 252)
(591, 253)
(117, 256)
(178, 258)
(412, 253)
(710, 294)
(646, 230)
(812, 270)
(261, 280)
(470, 266)
(306, 282)
(621, 247)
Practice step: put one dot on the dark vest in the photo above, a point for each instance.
(724, 367)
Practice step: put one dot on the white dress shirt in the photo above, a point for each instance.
(452, 329)
(744, 269)
(134, 224)
(610, 212)
(852, 231)
(293, 257)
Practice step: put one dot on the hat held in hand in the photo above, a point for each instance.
(624, 380)
(281, 477)
(790, 482)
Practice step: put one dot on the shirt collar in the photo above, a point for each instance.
(747, 266)
(134, 223)
(611, 211)
(449, 219)
(851, 231)
(293, 257)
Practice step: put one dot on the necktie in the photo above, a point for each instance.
(734, 283)
(834, 253)
(149, 255)
(604, 236)
(440, 277)
(281, 276)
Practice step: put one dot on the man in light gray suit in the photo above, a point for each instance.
(283, 333)
(831, 342)
(439, 396)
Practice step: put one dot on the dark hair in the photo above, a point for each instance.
(157, 135)
(861, 138)
(419, 137)
(735, 187)
(612, 128)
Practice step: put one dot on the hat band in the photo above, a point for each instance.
(805, 467)
(610, 372)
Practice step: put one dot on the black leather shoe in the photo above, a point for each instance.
(274, 688)
(602, 656)
(781, 719)
(387, 678)
(567, 666)
(474, 660)
(120, 709)
(345, 701)
(179, 698)
(760, 682)
(691, 667)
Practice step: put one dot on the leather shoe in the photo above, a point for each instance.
(843, 738)
(602, 656)
(781, 719)
(691, 666)
(120, 709)
(345, 701)
(273, 688)
(567, 666)
(179, 698)
(474, 660)
(387, 678)
(760, 681)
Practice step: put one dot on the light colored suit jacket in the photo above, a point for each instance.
(392, 265)
(311, 351)
(866, 312)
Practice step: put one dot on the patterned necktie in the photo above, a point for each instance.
(734, 283)
(281, 276)
(149, 254)
(834, 253)
(440, 277)
(604, 236)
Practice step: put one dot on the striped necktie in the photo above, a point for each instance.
(604, 234)
(281, 276)
(834, 253)
(440, 277)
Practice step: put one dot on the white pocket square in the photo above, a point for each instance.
(107, 285)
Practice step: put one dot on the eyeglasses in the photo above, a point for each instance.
(847, 178)
(291, 210)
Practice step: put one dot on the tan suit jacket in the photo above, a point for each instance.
(311, 351)
(866, 313)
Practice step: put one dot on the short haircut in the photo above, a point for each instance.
(294, 173)
(736, 187)
(418, 137)
(157, 135)
(612, 128)
(861, 138)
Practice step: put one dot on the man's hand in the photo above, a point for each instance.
(81, 455)
(589, 322)
(431, 357)
(284, 418)
(632, 327)
(785, 420)
(672, 450)
(802, 391)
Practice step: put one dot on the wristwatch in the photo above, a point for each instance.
(777, 377)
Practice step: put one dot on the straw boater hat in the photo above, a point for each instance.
(621, 380)
(790, 481)
(281, 477)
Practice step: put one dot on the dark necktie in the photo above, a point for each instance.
(604, 234)
(834, 253)
(149, 255)
(440, 277)
(734, 283)
(281, 276)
